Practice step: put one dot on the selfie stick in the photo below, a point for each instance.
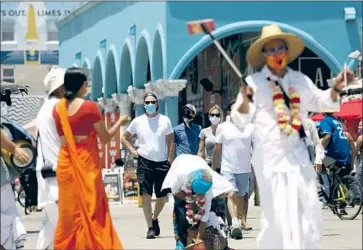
(220, 48)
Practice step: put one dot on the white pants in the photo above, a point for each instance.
(13, 233)
(291, 211)
(46, 233)
(47, 196)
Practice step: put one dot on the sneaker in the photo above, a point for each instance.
(150, 233)
(156, 227)
(343, 212)
(236, 232)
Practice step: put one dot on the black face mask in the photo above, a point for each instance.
(188, 116)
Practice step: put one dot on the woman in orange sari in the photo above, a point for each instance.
(84, 215)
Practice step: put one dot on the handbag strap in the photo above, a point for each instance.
(302, 133)
(41, 148)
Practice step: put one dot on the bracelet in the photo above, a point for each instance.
(337, 90)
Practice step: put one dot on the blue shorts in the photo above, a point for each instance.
(244, 183)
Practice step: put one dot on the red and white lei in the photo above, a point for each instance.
(288, 124)
(192, 217)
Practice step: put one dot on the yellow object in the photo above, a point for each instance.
(139, 198)
(31, 33)
(6, 155)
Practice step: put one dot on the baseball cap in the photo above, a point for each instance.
(54, 79)
(190, 107)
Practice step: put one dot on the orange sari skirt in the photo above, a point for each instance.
(84, 215)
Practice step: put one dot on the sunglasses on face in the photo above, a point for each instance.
(188, 112)
(150, 102)
(274, 51)
(215, 115)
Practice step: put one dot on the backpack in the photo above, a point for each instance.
(29, 182)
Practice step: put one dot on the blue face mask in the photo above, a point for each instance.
(150, 108)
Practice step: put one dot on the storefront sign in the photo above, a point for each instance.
(31, 57)
(113, 147)
(21, 57)
(112, 182)
(101, 151)
(316, 69)
(39, 13)
(12, 57)
(130, 181)
(49, 57)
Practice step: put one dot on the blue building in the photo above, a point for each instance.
(128, 44)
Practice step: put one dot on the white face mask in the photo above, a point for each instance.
(214, 120)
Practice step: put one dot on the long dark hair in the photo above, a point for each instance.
(74, 79)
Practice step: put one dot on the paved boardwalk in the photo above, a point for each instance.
(129, 222)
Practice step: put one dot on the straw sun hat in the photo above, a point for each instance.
(255, 57)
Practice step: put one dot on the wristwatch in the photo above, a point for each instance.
(337, 90)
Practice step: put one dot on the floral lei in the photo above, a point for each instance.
(288, 125)
(194, 218)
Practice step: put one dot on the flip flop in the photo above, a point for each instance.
(246, 228)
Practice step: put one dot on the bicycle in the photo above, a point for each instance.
(343, 193)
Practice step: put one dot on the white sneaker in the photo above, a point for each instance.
(236, 230)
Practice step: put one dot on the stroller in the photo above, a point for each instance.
(22, 138)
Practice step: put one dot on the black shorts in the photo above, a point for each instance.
(343, 168)
(151, 175)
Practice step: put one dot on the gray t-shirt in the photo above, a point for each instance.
(210, 140)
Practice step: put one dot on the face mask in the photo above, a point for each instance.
(150, 108)
(214, 120)
(277, 62)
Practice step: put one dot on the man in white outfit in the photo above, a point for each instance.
(48, 149)
(291, 212)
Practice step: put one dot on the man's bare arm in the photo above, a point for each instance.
(325, 140)
(216, 155)
(126, 140)
(171, 147)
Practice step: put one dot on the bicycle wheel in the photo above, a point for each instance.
(21, 197)
(347, 195)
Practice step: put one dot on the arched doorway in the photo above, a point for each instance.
(88, 71)
(210, 65)
(111, 73)
(97, 79)
(126, 78)
(253, 26)
(158, 62)
(142, 63)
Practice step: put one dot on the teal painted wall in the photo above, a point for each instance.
(111, 21)
(321, 23)
(324, 21)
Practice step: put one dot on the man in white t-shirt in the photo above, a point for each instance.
(48, 149)
(155, 154)
(235, 147)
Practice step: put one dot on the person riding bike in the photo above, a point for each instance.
(338, 145)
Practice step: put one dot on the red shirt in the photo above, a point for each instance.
(82, 121)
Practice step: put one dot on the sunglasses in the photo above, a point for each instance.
(188, 112)
(274, 51)
(215, 115)
(150, 102)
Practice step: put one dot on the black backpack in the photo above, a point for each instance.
(29, 183)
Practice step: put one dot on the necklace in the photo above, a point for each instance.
(289, 124)
(192, 217)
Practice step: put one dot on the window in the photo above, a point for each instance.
(52, 31)
(7, 31)
(8, 75)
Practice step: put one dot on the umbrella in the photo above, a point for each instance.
(348, 111)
